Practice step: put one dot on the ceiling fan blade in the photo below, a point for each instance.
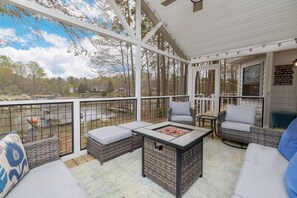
(197, 6)
(167, 2)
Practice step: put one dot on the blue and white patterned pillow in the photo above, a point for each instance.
(13, 163)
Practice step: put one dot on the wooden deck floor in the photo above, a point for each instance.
(78, 161)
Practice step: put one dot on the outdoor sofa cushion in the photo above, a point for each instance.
(262, 173)
(13, 163)
(47, 181)
(241, 114)
(134, 125)
(291, 177)
(181, 108)
(109, 134)
(236, 126)
(288, 143)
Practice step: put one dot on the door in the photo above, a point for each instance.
(206, 89)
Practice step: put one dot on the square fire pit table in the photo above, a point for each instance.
(172, 154)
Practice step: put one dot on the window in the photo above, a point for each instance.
(251, 80)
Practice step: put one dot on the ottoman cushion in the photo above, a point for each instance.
(109, 134)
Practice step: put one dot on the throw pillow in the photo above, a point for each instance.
(288, 143)
(13, 163)
(291, 177)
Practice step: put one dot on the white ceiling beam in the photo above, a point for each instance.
(152, 32)
(149, 47)
(151, 14)
(121, 17)
(62, 18)
(52, 14)
(269, 47)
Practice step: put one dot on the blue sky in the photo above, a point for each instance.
(20, 41)
(22, 29)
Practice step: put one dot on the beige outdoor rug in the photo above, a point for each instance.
(121, 177)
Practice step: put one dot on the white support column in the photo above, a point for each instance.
(217, 87)
(138, 60)
(191, 86)
(121, 17)
(76, 128)
(267, 88)
(152, 32)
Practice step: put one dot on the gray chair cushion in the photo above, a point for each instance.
(109, 134)
(180, 118)
(181, 108)
(48, 181)
(262, 173)
(236, 126)
(134, 125)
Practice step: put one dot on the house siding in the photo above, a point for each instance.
(284, 97)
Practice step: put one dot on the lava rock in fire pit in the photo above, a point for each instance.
(173, 131)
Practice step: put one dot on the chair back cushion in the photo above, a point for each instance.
(242, 114)
(13, 163)
(181, 108)
(291, 177)
(288, 143)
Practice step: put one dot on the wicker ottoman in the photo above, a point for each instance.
(109, 142)
(136, 139)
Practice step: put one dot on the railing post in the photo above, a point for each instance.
(170, 100)
(138, 59)
(76, 128)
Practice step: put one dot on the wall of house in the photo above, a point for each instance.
(284, 97)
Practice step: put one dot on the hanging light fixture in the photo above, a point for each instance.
(295, 63)
(196, 1)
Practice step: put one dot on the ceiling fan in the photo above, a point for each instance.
(197, 4)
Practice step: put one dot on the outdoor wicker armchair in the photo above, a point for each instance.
(234, 124)
(181, 112)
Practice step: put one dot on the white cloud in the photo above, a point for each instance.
(8, 35)
(54, 60)
(54, 39)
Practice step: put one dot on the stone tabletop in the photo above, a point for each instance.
(183, 142)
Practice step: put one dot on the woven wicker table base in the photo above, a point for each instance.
(173, 169)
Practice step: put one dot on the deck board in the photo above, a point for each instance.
(78, 161)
